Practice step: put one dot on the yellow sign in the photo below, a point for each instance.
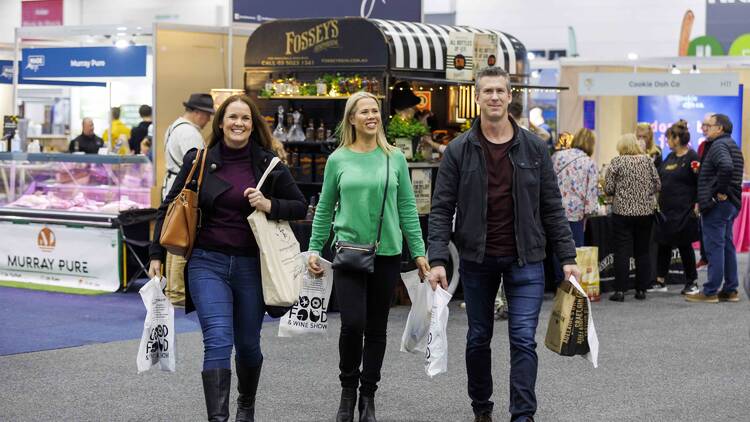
(326, 32)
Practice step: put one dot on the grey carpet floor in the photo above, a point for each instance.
(660, 360)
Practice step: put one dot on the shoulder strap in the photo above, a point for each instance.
(166, 141)
(569, 163)
(385, 195)
(271, 166)
(192, 170)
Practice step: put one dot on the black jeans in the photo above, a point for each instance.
(632, 236)
(364, 302)
(687, 256)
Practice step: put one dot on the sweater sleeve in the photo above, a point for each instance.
(591, 205)
(610, 180)
(407, 208)
(329, 196)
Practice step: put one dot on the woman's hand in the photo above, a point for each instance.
(257, 200)
(154, 268)
(423, 266)
(313, 266)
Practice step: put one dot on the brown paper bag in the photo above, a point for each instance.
(567, 331)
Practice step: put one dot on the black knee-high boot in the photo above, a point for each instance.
(367, 409)
(346, 407)
(216, 385)
(247, 385)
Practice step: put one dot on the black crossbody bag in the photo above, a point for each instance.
(361, 257)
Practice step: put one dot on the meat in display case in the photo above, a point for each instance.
(74, 184)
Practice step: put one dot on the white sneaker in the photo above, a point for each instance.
(658, 287)
(690, 289)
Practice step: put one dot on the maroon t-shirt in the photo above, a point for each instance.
(501, 239)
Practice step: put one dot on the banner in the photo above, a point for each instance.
(82, 258)
(6, 77)
(616, 84)
(42, 13)
(259, 11)
(83, 62)
(662, 111)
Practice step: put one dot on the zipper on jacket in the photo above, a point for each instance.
(515, 208)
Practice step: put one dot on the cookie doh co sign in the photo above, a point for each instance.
(80, 258)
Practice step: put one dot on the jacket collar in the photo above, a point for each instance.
(259, 156)
(476, 127)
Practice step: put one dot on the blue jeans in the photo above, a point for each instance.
(718, 240)
(524, 290)
(228, 297)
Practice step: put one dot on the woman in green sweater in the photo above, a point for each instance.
(353, 187)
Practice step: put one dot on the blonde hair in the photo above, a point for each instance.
(651, 148)
(628, 145)
(346, 132)
(584, 140)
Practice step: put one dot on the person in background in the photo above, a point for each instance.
(87, 141)
(497, 198)
(633, 182)
(645, 135)
(145, 148)
(141, 131)
(353, 189)
(719, 199)
(516, 112)
(120, 132)
(677, 201)
(702, 147)
(223, 273)
(181, 136)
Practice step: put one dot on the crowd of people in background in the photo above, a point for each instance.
(123, 140)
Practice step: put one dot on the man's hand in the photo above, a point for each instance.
(721, 197)
(154, 268)
(438, 276)
(572, 269)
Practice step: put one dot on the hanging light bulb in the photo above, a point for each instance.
(675, 70)
(695, 69)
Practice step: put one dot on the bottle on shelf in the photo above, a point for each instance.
(321, 132)
(296, 134)
(374, 86)
(329, 136)
(311, 208)
(269, 87)
(280, 131)
(310, 131)
(321, 87)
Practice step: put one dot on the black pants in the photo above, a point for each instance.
(632, 237)
(364, 302)
(687, 256)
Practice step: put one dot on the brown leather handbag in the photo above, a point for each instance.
(183, 216)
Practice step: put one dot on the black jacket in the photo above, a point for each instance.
(721, 171)
(461, 188)
(287, 202)
(136, 136)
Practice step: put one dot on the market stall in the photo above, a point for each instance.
(302, 71)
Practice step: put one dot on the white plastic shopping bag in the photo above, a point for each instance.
(593, 354)
(436, 355)
(157, 347)
(308, 314)
(414, 339)
(279, 250)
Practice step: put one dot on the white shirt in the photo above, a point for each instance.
(181, 136)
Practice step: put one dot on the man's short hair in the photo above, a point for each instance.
(115, 113)
(144, 111)
(491, 71)
(515, 110)
(725, 123)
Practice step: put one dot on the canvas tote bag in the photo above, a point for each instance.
(281, 271)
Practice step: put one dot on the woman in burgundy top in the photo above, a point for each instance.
(222, 276)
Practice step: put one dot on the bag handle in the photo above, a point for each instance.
(385, 195)
(271, 166)
(192, 171)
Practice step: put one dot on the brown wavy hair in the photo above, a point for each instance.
(680, 131)
(584, 140)
(261, 133)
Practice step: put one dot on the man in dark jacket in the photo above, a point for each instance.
(87, 141)
(498, 180)
(141, 131)
(719, 199)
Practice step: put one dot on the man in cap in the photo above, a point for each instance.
(183, 135)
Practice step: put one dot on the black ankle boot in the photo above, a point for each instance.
(216, 384)
(346, 407)
(367, 409)
(247, 385)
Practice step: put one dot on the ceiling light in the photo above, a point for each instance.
(122, 28)
(675, 70)
(530, 55)
(695, 69)
(535, 74)
(632, 56)
(122, 43)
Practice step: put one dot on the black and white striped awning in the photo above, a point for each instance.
(423, 46)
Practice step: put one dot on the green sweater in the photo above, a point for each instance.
(356, 181)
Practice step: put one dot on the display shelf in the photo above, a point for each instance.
(310, 97)
(310, 143)
(74, 158)
(94, 188)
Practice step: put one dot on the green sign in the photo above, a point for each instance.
(705, 46)
(740, 46)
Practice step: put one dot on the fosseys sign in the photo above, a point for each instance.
(320, 36)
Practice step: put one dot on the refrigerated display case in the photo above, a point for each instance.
(62, 217)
